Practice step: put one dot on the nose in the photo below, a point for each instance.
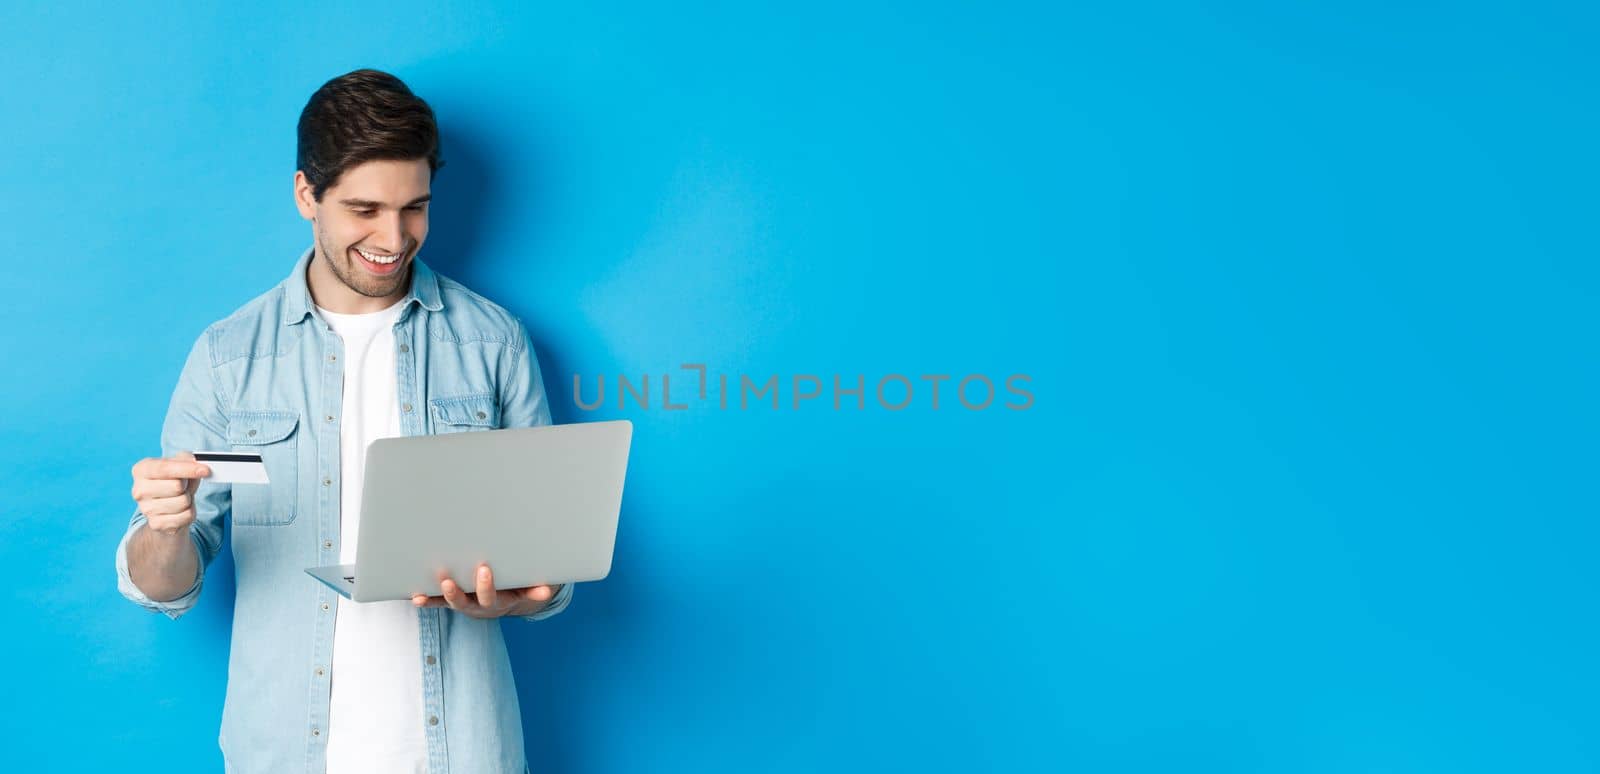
(390, 236)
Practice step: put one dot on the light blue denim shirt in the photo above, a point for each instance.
(269, 379)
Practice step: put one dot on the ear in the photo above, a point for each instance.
(304, 198)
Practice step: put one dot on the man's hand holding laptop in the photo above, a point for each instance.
(487, 602)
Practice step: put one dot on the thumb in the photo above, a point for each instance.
(189, 484)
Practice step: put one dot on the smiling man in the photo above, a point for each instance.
(361, 341)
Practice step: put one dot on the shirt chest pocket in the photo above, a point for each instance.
(465, 413)
(270, 433)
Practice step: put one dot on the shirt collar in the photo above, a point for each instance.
(297, 295)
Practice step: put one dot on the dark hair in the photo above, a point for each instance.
(363, 116)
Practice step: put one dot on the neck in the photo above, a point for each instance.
(330, 292)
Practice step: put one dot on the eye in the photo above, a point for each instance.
(415, 208)
(364, 213)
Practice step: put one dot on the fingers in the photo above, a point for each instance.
(170, 523)
(164, 506)
(156, 488)
(483, 601)
(154, 468)
(456, 598)
(164, 490)
(486, 595)
(193, 469)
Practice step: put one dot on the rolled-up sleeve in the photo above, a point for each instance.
(196, 421)
(172, 608)
(563, 598)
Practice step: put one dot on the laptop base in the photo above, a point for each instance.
(339, 577)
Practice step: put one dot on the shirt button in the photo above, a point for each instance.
(433, 720)
(406, 407)
(330, 417)
(252, 433)
(404, 348)
(319, 671)
(328, 544)
(432, 660)
(316, 731)
(482, 415)
(332, 358)
(324, 607)
(327, 482)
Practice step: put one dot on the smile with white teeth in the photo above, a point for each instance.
(375, 258)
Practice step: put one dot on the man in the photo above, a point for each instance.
(362, 341)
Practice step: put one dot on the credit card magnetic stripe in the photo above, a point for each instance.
(226, 457)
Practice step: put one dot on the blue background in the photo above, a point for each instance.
(1307, 296)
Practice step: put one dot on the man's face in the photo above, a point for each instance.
(370, 224)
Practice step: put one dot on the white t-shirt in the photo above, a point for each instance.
(375, 708)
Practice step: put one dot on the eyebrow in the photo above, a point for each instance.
(369, 204)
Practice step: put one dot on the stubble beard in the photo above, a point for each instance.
(352, 276)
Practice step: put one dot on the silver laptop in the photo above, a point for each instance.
(538, 504)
